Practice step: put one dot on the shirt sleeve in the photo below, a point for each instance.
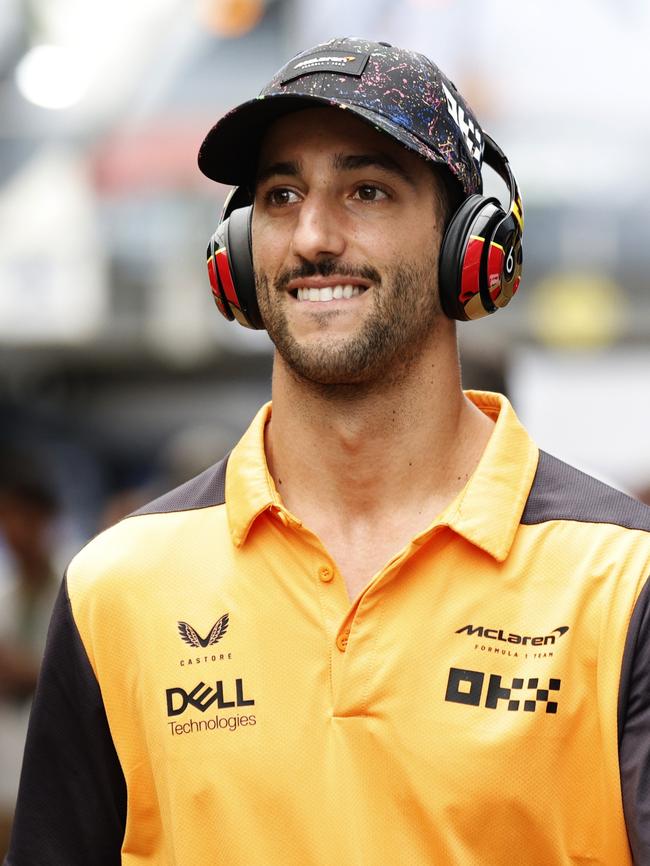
(71, 808)
(634, 729)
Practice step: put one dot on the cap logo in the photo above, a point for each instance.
(346, 63)
(316, 60)
(471, 133)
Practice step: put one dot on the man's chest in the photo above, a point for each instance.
(442, 643)
(452, 683)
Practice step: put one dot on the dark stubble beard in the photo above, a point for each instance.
(405, 311)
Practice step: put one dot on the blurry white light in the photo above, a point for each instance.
(51, 76)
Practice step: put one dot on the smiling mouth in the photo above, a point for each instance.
(328, 293)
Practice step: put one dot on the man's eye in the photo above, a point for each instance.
(370, 193)
(279, 197)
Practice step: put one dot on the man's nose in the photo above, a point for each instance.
(319, 231)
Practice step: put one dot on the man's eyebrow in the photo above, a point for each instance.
(290, 168)
(350, 162)
(341, 162)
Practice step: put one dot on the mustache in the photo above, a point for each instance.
(326, 268)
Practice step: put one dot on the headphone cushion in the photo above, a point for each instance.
(240, 257)
(219, 271)
(452, 254)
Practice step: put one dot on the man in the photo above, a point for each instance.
(387, 629)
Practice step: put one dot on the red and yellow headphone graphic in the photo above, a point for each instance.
(480, 258)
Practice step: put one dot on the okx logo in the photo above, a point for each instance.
(468, 687)
(471, 133)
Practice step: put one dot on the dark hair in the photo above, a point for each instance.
(450, 193)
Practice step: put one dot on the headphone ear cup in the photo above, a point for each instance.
(219, 273)
(460, 259)
(239, 246)
(230, 268)
(451, 259)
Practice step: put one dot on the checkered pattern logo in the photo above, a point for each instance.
(522, 694)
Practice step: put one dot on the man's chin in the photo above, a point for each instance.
(325, 367)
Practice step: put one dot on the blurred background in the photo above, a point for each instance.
(119, 379)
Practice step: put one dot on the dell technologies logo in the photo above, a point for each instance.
(202, 696)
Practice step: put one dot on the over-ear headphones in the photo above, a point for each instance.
(479, 266)
(230, 262)
(481, 253)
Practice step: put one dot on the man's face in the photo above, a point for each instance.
(346, 233)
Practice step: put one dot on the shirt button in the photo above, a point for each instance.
(325, 574)
(342, 639)
(281, 516)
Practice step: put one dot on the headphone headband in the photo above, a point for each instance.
(498, 161)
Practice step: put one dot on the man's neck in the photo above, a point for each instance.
(359, 466)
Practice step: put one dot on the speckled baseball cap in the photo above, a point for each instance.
(399, 92)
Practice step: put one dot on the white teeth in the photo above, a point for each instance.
(328, 293)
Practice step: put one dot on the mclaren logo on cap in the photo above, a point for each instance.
(326, 61)
(316, 60)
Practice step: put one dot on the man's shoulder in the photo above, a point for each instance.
(203, 491)
(562, 492)
(140, 545)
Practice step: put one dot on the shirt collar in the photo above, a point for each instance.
(487, 511)
(249, 487)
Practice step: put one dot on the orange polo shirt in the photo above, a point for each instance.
(461, 710)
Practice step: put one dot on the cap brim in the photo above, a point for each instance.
(230, 150)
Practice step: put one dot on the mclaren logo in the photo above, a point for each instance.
(315, 61)
(192, 637)
(500, 634)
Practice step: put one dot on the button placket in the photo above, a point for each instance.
(326, 575)
(356, 665)
(342, 639)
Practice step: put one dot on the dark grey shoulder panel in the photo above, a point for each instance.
(561, 492)
(71, 808)
(634, 728)
(206, 489)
